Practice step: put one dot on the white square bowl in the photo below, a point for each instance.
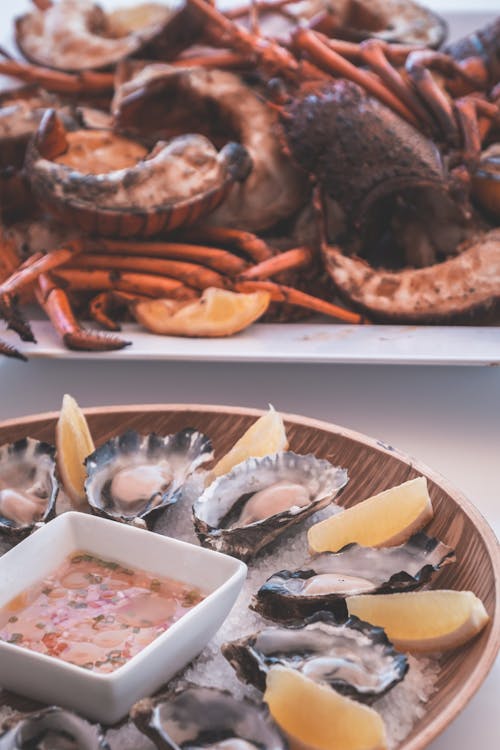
(108, 697)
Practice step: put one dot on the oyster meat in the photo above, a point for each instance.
(246, 509)
(354, 657)
(28, 485)
(323, 581)
(202, 717)
(52, 729)
(135, 476)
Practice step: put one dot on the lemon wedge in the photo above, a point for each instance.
(384, 520)
(318, 717)
(73, 444)
(265, 436)
(217, 312)
(423, 621)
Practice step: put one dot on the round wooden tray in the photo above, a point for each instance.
(372, 467)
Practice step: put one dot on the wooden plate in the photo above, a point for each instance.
(372, 467)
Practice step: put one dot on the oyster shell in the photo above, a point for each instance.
(353, 657)
(202, 717)
(52, 729)
(28, 485)
(135, 476)
(323, 581)
(246, 509)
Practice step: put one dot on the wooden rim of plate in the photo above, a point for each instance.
(487, 657)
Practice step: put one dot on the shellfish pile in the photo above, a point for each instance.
(326, 157)
(257, 508)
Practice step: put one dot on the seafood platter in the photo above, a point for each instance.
(370, 612)
(180, 172)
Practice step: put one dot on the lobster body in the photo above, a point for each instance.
(356, 148)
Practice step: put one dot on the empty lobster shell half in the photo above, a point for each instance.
(243, 511)
(163, 101)
(28, 485)
(324, 581)
(136, 476)
(54, 729)
(400, 21)
(353, 657)
(459, 289)
(79, 35)
(202, 717)
(110, 185)
(393, 21)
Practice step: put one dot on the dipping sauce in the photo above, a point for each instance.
(95, 613)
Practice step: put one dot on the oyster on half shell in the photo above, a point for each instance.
(323, 581)
(353, 657)
(195, 717)
(135, 476)
(52, 729)
(28, 485)
(260, 498)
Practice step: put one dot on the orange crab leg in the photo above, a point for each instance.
(189, 273)
(395, 53)
(222, 60)
(296, 258)
(246, 242)
(37, 264)
(275, 58)
(86, 82)
(280, 293)
(25, 275)
(474, 128)
(145, 284)
(101, 306)
(56, 304)
(326, 58)
(373, 53)
(212, 257)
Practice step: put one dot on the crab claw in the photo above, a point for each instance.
(55, 302)
(10, 351)
(14, 318)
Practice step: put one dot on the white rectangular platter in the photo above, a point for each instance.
(311, 341)
(295, 342)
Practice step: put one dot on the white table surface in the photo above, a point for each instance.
(448, 417)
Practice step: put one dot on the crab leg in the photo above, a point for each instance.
(189, 273)
(145, 284)
(212, 257)
(37, 264)
(281, 293)
(396, 54)
(56, 304)
(327, 59)
(28, 272)
(296, 258)
(373, 53)
(221, 60)
(61, 83)
(248, 243)
(103, 304)
(275, 58)
(10, 351)
(469, 109)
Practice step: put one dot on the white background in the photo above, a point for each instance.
(448, 417)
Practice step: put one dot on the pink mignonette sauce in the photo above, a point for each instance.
(95, 613)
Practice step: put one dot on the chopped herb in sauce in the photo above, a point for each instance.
(95, 613)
